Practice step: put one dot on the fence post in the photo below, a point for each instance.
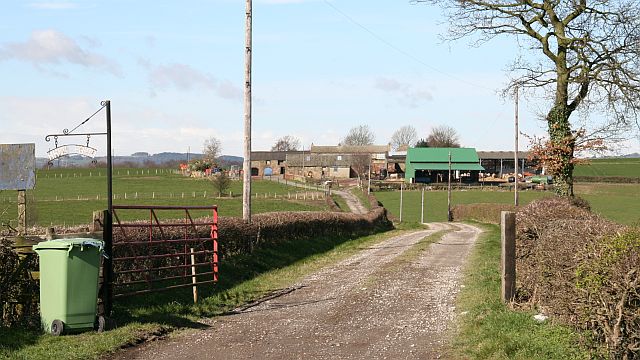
(22, 212)
(508, 256)
(98, 220)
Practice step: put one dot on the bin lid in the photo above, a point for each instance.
(67, 244)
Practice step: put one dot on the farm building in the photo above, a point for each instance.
(429, 165)
(501, 162)
(267, 163)
(338, 161)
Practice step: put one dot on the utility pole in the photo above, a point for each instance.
(515, 153)
(449, 217)
(246, 166)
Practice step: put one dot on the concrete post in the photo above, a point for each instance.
(508, 256)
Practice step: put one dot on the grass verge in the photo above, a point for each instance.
(487, 329)
(243, 279)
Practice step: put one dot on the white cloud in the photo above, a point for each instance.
(407, 94)
(186, 78)
(51, 47)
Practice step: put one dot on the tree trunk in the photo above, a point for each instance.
(563, 144)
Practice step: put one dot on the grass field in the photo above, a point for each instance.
(69, 196)
(610, 167)
(618, 202)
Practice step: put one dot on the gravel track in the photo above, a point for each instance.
(373, 305)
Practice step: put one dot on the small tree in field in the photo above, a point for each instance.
(221, 182)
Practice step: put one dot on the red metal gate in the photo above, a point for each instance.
(154, 255)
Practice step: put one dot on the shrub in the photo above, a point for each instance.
(582, 270)
(18, 290)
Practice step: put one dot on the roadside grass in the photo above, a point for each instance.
(487, 329)
(361, 194)
(413, 252)
(69, 196)
(617, 202)
(342, 204)
(242, 279)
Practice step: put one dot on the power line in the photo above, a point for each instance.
(399, 50)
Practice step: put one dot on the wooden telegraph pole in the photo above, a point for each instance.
(449, 217)
(515, 153)
(246, 167)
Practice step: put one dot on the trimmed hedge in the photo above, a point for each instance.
(581, 270)
(19, 293)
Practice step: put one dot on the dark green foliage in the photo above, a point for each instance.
(221, 182)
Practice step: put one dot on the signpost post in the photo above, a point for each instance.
(106, 291)
(17, 172)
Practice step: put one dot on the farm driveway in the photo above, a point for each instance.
(382, 303)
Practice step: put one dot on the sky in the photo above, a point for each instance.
(174, 73)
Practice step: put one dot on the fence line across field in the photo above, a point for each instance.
(291, 195)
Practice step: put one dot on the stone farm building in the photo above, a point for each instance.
(267, 163)
(322, 162)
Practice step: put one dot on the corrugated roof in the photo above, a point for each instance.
(364, 149)
(441, 155)
(271, 155)
(445, 166)
(501, 154)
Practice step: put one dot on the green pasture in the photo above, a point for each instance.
(69, 196)
(618, 202)
(622, 167)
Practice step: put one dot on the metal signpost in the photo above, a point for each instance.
(106, 292)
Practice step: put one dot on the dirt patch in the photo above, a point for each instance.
(360, 308)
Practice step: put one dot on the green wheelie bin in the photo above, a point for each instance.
(69, 270)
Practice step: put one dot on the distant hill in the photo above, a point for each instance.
(137, 159)
(632, 156)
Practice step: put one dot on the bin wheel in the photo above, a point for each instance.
(101, 324)
(57, 327)
(105, 324)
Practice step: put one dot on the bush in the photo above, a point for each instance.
(582, 270)
(18, 290)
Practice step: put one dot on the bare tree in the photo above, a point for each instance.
(404, 138)
(360, 163)
(286, 143)
(582, 54)
(212, 149)
(359, 135)
(443, 136)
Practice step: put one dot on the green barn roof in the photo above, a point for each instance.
(441, 155)
(463, 159)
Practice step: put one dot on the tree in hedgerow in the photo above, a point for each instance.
(221, 182)
(582, 55)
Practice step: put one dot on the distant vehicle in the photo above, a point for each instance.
(542, 179)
